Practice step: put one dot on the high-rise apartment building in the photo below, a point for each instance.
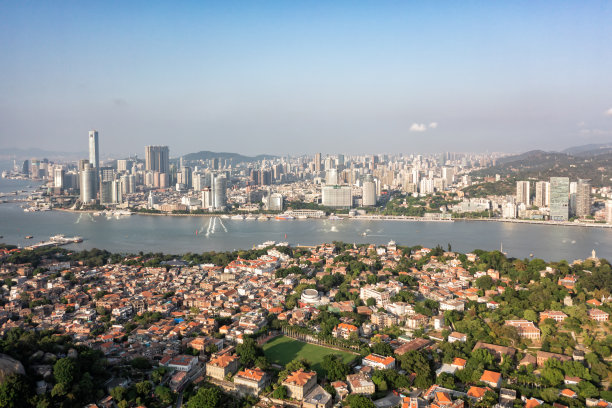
(583, 198)
(94, 154)
(609, 211)
(369, 193)
(542, 194)
(157, 158)
(218, 191)
(559, 198)
(337, 196)
(522, 192)
(317, 162)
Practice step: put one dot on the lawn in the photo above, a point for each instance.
(283, 350)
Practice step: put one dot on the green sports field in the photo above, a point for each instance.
(283, 350)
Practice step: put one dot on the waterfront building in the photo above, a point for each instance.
(88, 184)
(583, 198)
(559, 198)
(369, 193)
(58, 177)
(337, 196)
(609, 211)
(106, 192)
(522, 192)
(157, 158)
(218, 189)
(542, 194)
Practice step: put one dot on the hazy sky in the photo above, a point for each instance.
(299, 77)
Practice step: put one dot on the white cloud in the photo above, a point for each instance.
(608, 112)
(418, 127)
(433, 125)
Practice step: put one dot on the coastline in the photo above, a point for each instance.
(378, 218)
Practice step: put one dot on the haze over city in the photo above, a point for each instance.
(347, 77)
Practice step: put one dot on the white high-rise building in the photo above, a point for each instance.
(583, 198)
(94, 155)
(448, 174)
(609, 211)
(88, 184)
(542, 194)
(58, 177)
(369, 193)
(331, 177)
(522, 192)
(219, 188)
(337, 196)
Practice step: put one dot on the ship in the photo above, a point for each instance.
(334, 217)
(238, 217)
(284, 217)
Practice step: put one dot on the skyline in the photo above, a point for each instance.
(343, 78)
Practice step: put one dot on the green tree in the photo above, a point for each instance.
(144, 388)
(371, 302)
(14, 391)
(248, 351)
(206, 397)
(65, 370)
(164, 394)
(118, 393)
(335, 367)
(359, 401)
(280, 392)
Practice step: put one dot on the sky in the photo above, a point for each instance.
(298, 77)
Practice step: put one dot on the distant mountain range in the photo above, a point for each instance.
(232, 157)
(592, 162)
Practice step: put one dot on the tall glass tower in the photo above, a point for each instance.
(94, 156)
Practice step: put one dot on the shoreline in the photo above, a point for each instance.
(372, 218)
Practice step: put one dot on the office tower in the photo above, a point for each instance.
(58, 177)
(331, 177)
(542, 194)
(157, 158)
(124, 165)
(215, 163)
(94, 154)
(328, 163)
(583, 198)
(106, 192)
(573, 188)
(25, 167)
(609, 211)
(369, 191)
(106, 174)
(207, 197)
(184, 177)
(340, 162)
(448, 174)
(559, 198)
(317, 163)
(522, 192)
(337, 196)
(88, 184)
(218, 189)
(117, 192)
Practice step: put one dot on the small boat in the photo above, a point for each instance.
(238, 217)
(29, 237)
(285, 217)
(250, 217)
(335, 217)
(364, 234)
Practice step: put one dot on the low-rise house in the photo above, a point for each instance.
(300, 383)
(345, 330)
(491, 378)
(182, 362)
(556, 315)
(598, 315)
(525, 329)
(317, 398)
(543, 356)
(220, 366)
(378, 362)
(251, 381)
(360, 384)
(456, 336)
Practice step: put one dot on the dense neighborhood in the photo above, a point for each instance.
(337, 324)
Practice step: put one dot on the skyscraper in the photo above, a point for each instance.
(94, 154)
(542, 194)
(317, 162)
(88, 184)
(157, 158)
(559, 198)
(522, 192)
(583, 198)
(218, 191)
